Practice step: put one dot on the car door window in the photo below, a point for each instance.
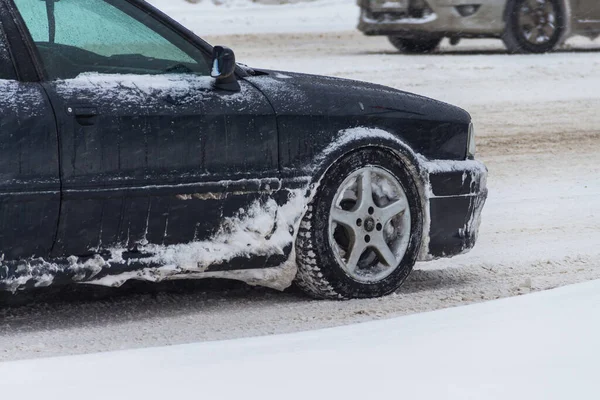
(106, 36)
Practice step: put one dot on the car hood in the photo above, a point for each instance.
(294, 93)
(312, 110)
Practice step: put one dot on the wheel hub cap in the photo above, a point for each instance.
(537, 21)
(369, 224)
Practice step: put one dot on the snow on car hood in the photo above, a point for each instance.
(322, 95)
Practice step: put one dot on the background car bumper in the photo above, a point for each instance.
(443, 20)
(457, 194)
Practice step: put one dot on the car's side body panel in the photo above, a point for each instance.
(29, 178)
(151, 159)
(457, 194)
(586, 17)
(321, 119)
(312, 110)
(29, 165)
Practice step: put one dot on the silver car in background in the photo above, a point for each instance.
(525, 26)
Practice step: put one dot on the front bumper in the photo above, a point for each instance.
(440, 18)
(456, 192)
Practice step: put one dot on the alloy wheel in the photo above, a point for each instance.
(369, 224)
(538, 21)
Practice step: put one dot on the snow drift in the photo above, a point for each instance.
(540, 346)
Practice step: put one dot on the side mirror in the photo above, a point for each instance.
(223, 69)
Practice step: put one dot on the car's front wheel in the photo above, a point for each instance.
(533, 26)
(417, 46)
(362, 232)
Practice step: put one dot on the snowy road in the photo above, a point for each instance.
(539, 133)
(540, 346)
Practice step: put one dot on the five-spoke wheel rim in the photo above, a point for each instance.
(537, 21)
(370, 224)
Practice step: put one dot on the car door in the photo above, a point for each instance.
(151, 152)
(29, 174)
(587, 14)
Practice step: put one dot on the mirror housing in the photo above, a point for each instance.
(223, 69)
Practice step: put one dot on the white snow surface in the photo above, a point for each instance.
(243, 17)
(147, 84)
(125, 89)
(539, 346)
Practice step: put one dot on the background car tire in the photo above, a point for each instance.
(517, 29)
(417, 46)
(321, 272)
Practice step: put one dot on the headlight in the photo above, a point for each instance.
(471, 148)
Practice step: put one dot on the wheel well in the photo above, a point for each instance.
(319, 271)
(564, 5)
(405, 156)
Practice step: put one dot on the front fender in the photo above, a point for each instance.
(350, 140)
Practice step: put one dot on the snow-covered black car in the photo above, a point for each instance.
(131, 149)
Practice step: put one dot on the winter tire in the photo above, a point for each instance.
(362, 232)
(533, 26)
(416, 46)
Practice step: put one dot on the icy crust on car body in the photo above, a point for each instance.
(19, 97)
(478, 193)
(265, 228)
(152, 90)
(280, 88)
(356, 135)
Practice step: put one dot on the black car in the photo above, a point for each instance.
(132, 149)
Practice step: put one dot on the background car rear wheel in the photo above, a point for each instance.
(533, 26)
(415, 45)
(362, 232)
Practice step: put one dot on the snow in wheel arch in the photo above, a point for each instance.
(418, 166)
(349, 140)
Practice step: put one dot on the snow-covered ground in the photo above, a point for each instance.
(244, 16)
(538, 132)
(540, 346)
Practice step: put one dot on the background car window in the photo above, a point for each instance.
(77, 36)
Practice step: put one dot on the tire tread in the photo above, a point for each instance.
(310, 278)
